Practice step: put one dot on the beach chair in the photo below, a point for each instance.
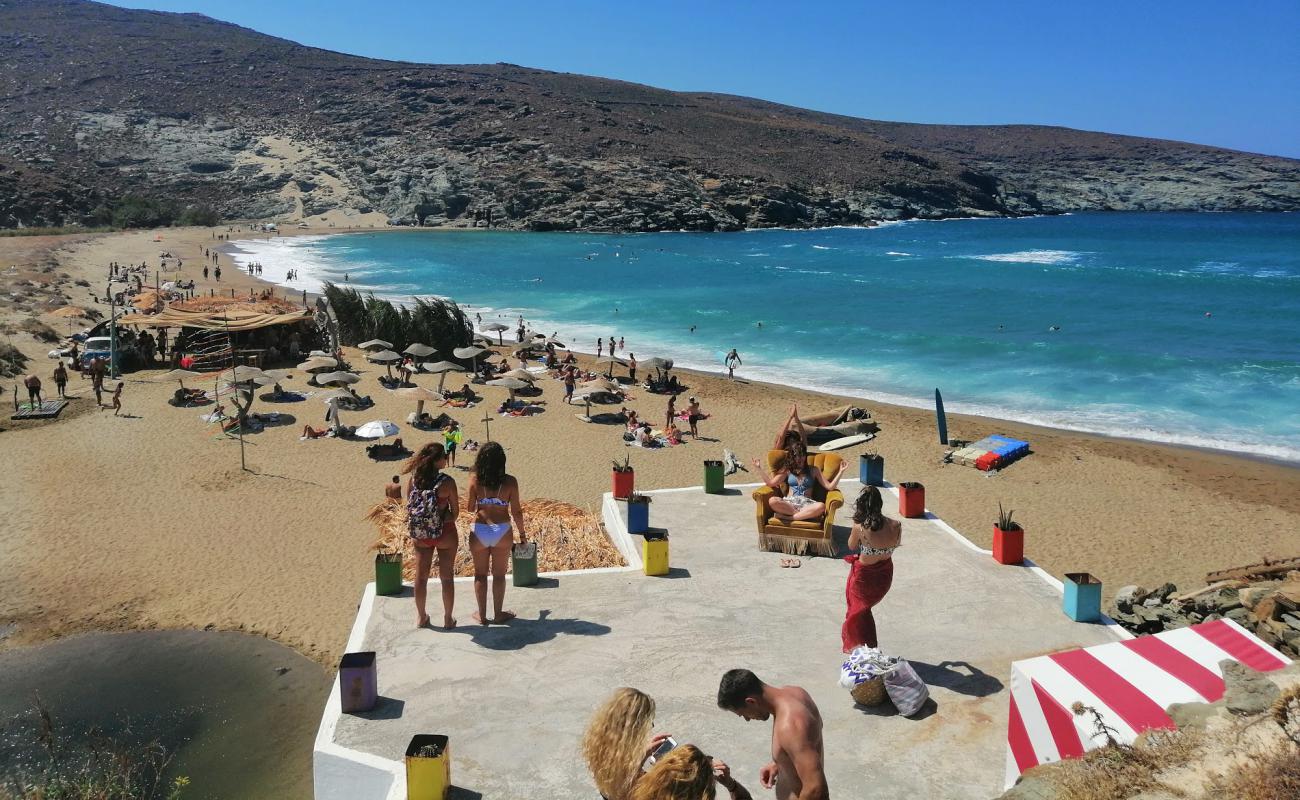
(799, 537)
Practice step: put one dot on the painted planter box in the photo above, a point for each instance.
(1082, 599)
(358, 682)
(1009, 545)
(388, 573)
(428, 767)
(623, 482)
(911, 499)
(638, 514)
(713, 477)
(654, 556)
(523, 564)
(871, 470)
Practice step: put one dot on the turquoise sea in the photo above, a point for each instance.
(1181, 328)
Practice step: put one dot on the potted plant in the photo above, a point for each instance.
(911, 499)
(623, 478)
(388, 572)
(428, 767)
(871, 469)
(638, 513)
(1008, 538)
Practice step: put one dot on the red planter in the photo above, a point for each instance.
(1008, 546)
(623, 482)
(911, 499)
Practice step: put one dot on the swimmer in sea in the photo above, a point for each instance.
(1055, 328)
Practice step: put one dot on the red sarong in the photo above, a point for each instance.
(867, 585)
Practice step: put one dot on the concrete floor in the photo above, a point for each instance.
(515, 699)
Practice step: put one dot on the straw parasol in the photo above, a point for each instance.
(521, 374)
(377, 429)
(386, 357)
(70, 313)
(611, 360)
(472, 353)
(658, 363)
(180, 376)
(278, 375)
(510, 383)
(419, 350)
(497, 328)
(376, 344)
(442, 367)
(318, 363)
(241, 374)
(335, 394)
(420, 395)
(339, 378)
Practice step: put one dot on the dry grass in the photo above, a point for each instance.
(1273, 774)
(261, 305)
(568, 537)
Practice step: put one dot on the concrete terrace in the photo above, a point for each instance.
(515, 699)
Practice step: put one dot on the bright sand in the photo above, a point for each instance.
(147, 521)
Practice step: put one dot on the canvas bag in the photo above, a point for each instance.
(905, 688)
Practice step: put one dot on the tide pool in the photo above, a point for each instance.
(1181, 328)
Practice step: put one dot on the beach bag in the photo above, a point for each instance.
(424, 517)
(905, 688)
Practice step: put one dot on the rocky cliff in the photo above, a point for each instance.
(99, 102)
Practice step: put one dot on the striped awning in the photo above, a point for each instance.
(1130, 684)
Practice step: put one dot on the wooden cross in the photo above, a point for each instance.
(487, 424)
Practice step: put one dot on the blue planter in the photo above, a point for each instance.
(638, 517)
(871, 470)
(1082, 601)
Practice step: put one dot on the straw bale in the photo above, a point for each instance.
(568, 537)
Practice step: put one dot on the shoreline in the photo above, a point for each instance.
(763, 375)
(160, 529)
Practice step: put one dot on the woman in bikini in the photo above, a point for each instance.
(431, 507)
(799, 480)
(873, 540)
(493, 499)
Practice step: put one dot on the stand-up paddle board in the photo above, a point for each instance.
(847, 441)
(940, 417)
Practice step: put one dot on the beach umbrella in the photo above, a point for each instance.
(472, 353)
(179, 375)
(241, 374)
(70, 313)
(557, 343)
(419, 350)
(442, 367)
(611, 360)
(386, 357)
(319, 354)
(497, 328)
(585, 396)
(510, 383)
(599, 385)
(521, 374)
(658, 363)
(340, 378)
(336, 394)
(314, 364)
(419, 394)
(376, 344)
(377, 429)
(278, 375)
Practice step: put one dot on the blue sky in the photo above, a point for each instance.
(1219, 73)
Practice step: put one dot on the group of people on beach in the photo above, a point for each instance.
(433, 503)
(629, 762)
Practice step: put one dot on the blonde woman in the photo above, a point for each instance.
(619, 740)
(686, 773)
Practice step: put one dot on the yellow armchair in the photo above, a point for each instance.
(799, 537)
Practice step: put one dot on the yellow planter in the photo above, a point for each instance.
(428, 777)
(654, 555)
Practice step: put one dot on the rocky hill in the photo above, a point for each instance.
(99, 102)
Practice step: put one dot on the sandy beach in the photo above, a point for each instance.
(147, 521)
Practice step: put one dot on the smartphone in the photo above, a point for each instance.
(663, 749)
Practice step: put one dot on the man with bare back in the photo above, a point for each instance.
(797, 769)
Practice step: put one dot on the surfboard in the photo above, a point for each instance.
(847, 441)
(940, 417)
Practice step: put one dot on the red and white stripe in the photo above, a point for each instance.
(1130, 683)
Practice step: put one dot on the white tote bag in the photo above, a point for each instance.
(906, 689)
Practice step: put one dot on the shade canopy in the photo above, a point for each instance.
(610, 360)
(330, 378)
(442, 366)
(509, 383)
(376, 344)
(385, 356)
(521, 374)
(418, 393)
(496, 326)
(241, 373)
(420, 350)
(599, 385)
(179, 375)
(314, 364)
(278, 375)
(469, 352)
(70, 312)
(377, 429)
(658, 363)
(335, 394)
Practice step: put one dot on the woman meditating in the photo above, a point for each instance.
(431, 507)
(798, 479)
(873, 540)
(493, 499)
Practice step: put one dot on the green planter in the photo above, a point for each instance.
(523, 564)
(713, 477)
(388, 573)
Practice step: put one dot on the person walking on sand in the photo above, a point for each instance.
(631, 367)
(216, 273)
(873, 540)
(732, 361)
(493, 499)
(117, 398)
(600, 347)
(205, 272)
(393, 490)
(33, 385)
(97, 370)
(432, 504)
(61, 379)
(569, 382)
(797, 769)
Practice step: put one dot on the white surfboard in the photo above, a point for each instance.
(847, 441)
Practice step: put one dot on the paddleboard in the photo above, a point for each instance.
(847, 441)
(583, 417)
(940, 417)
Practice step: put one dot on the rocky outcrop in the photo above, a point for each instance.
(202, 112)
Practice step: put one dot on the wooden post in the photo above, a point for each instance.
(487, 424)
